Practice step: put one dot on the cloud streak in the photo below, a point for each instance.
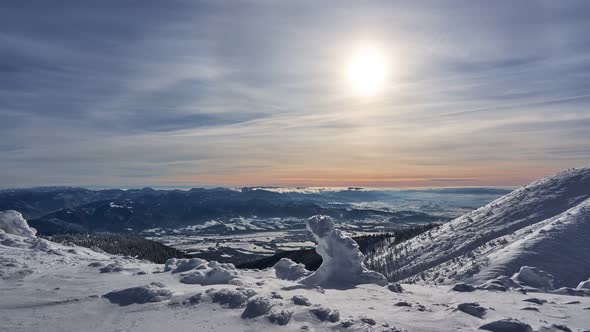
(252, 93)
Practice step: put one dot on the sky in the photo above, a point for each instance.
(239, 93)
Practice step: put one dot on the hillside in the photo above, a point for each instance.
(544, 224)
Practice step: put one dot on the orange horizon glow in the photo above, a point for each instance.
(473, 179)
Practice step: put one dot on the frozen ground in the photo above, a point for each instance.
(67, 298)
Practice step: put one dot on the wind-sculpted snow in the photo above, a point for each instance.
(545, 224)
(342, 262)
(12, 222)
(208, 273)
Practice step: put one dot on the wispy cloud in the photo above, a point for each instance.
(252, 93)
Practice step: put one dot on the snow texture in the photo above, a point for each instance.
(288, 270)
(342, 265)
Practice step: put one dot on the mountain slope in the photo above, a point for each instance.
(36, 202)
(462, 249)
(558, 245)
(62, 287)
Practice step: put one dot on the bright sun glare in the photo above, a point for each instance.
(367, 71)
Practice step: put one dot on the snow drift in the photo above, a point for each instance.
(342, 264)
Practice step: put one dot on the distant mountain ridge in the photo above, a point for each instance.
(72, 209)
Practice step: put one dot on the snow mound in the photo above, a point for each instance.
(288, 270)
(534, 277)
(501, 283)
(154, 292)
(257, 306)
(12, 222)
(208, 273)
(184, 264)
(300, 300)
(232, 298)
(342, 265)
(325, 314)
(473, 309)
(507, 325)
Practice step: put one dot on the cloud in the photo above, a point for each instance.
(251, 93)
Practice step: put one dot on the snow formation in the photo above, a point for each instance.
(342, 264)
(208, 273)
(289, 270)
(12, 222)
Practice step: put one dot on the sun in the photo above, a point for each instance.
(367, 71)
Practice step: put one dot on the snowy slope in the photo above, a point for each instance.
(75, 289)
(544, 224)
(22, 253)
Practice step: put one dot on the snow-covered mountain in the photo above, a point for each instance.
(544, 224)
